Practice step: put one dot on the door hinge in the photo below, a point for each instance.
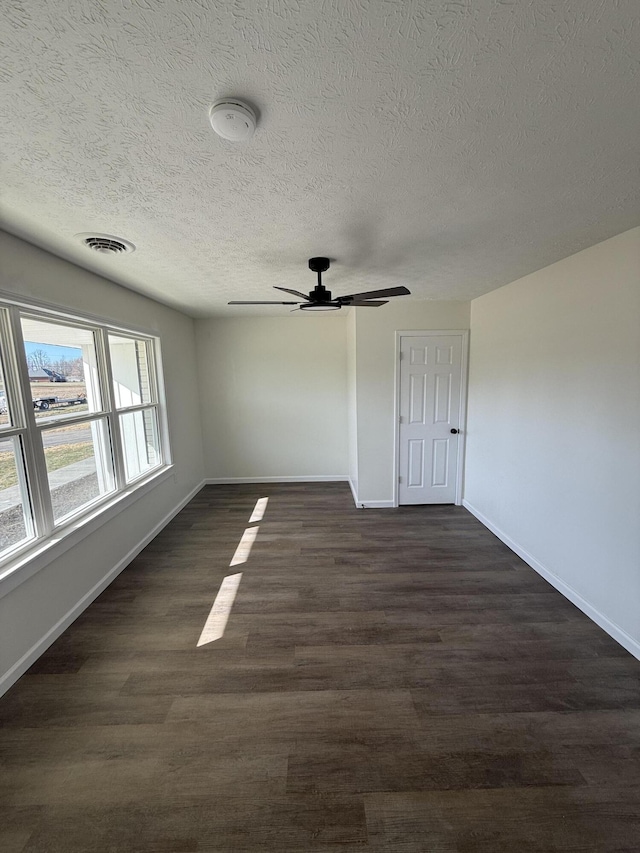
(400, 356)
(399, 419)
(399, 479)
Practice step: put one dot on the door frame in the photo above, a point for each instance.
(464, 371)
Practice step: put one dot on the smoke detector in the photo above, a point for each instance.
(233, 119)
(106, 244)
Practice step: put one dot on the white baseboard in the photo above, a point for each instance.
(21, 666)
(377, 504)
(309, 478)
(355, 494)
(614, 631)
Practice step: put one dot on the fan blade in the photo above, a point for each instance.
(364, 304)
(375, 294)
(263, 303)
(304, 296)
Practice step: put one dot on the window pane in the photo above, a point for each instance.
(140, 443)
(63, 371)
(79, 465)
(15, 518)
(130, 368)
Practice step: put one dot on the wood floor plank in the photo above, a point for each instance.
(17, 825)
(394, 681)
(371, 765)
(504, 820)
(286, 823)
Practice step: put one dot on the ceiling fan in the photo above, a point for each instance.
(320, 298)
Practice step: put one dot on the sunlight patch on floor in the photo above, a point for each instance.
(244, 546)
(217, 619)
(259, 510)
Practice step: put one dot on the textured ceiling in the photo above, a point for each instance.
(449, 145)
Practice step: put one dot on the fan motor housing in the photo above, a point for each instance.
(320, 294)
(319, 264)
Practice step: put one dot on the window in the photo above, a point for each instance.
(80, 420)
(133, 393)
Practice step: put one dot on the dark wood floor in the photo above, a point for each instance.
(389, 680)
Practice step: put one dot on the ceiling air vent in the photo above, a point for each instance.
(106, 244)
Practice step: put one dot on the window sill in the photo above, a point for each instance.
(43, 552)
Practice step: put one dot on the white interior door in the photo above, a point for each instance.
(430, 417)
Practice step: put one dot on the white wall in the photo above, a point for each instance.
(553, 445)
(31, 610)
(274, 396)
(352, 400)
(376, 372)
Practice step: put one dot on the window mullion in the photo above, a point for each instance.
(112, 415)
(141, 408)
(83, 417)
(11, 431)
(25, 490)
(161, 402)
(32, 446)
(151, 367)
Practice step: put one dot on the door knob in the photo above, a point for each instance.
(455, 431)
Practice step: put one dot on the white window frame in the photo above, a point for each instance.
(49, 539)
